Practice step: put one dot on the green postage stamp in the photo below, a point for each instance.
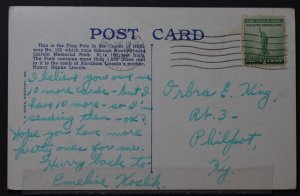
(263, 41)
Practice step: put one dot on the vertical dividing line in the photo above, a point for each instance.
(151, 110)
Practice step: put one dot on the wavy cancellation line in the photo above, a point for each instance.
(224, 48)
(237, 34)
(202, 67)
(195, 47)
(207, 55)
(228, 41)
(259, 42)
(220, 55)
(203, 42)
(196, 60)
(227, 67)
(272, 37)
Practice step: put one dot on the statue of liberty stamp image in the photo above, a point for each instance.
(263, 41)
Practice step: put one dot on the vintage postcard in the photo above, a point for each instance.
(119, 98)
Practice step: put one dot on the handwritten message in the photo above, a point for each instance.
(109, 109)
(112, 109)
